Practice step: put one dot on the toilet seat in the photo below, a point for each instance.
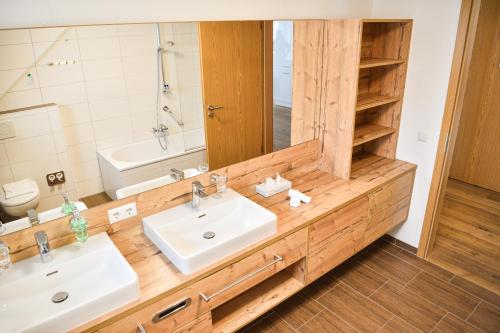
(20, 199)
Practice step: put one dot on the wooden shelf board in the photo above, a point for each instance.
(369, 132)
(377, 62)
(240, 311)
(367, 101)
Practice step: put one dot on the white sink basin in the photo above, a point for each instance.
(236, 221)
(96, 276)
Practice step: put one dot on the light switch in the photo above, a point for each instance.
(7, 130)
(422, 136)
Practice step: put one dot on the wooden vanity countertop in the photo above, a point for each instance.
(159, 278)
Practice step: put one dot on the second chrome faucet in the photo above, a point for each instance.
(199, 191)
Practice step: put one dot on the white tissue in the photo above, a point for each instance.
(294, 202)
(299, 195)
(272, 186)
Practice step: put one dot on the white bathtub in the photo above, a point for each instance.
(142, 161)
(153, 183)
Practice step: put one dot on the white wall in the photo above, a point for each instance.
(106, 99)
(433, 39)
(31, 13)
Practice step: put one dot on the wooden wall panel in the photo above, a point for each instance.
(476, 158)
(243, 174)
(306, 81)
(340, 62)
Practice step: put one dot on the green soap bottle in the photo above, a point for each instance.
(79, 226)
(68, 206)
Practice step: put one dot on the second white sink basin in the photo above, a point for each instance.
(94, 277)
(195, 238)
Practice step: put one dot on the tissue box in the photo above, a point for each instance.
(267, 190)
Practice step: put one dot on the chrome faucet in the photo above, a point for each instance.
(43, 246)
(33, 217)
(161, 130)
(198, 192)
(177, 174)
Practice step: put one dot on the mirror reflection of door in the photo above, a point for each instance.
(232, 58)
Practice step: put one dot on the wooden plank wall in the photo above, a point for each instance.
(253, 171)
(306, 81)
(339, 82)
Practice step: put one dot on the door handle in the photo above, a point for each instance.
(211, 110)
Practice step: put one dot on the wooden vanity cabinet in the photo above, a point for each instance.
(340, 235)
(176, 312)
(336, 237)
(202, 324)
(165, 315)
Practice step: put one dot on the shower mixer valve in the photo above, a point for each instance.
(160, 130)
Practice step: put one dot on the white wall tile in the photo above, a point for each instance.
(113, 127)
(140, 84)
(21, 99)
(143, 102)
(89, 187)
(11, 80)
(114, 142)
(5, 175)
(139, 65)
(184, 27)
(105, 89)
(3, 155)
(16, 56)
(64, 94)
(59, 75)
(30, 126)
(98, 48)
(86, 170)
(96, 31)
(82, 152)
(138, 45)
(16, 36)
(81, 133)
(29, 149)
(109, 108)
(36, 168)
(136, 29)
(67, 115)
(97, 69)
(63, 50)
(52, 34)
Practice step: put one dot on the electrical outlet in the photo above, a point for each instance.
(56, 178)
(122, 213)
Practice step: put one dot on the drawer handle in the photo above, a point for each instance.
(174, 308)
(277, 259)
(140, 328)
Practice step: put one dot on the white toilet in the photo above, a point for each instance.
(18, 205)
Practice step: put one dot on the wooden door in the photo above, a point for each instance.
(476, 158)
(232, 59)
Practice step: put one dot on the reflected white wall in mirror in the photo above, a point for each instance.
(96, 103)
(102, 80)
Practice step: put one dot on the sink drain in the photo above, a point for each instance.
(209, 235)
(60, 297)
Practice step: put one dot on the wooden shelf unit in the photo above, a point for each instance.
(351, 73)
(248, 306)
(369, 132)
(368, 101)
(381, 78)
(377, 62)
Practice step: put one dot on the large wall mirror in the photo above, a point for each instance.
(108, 111)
